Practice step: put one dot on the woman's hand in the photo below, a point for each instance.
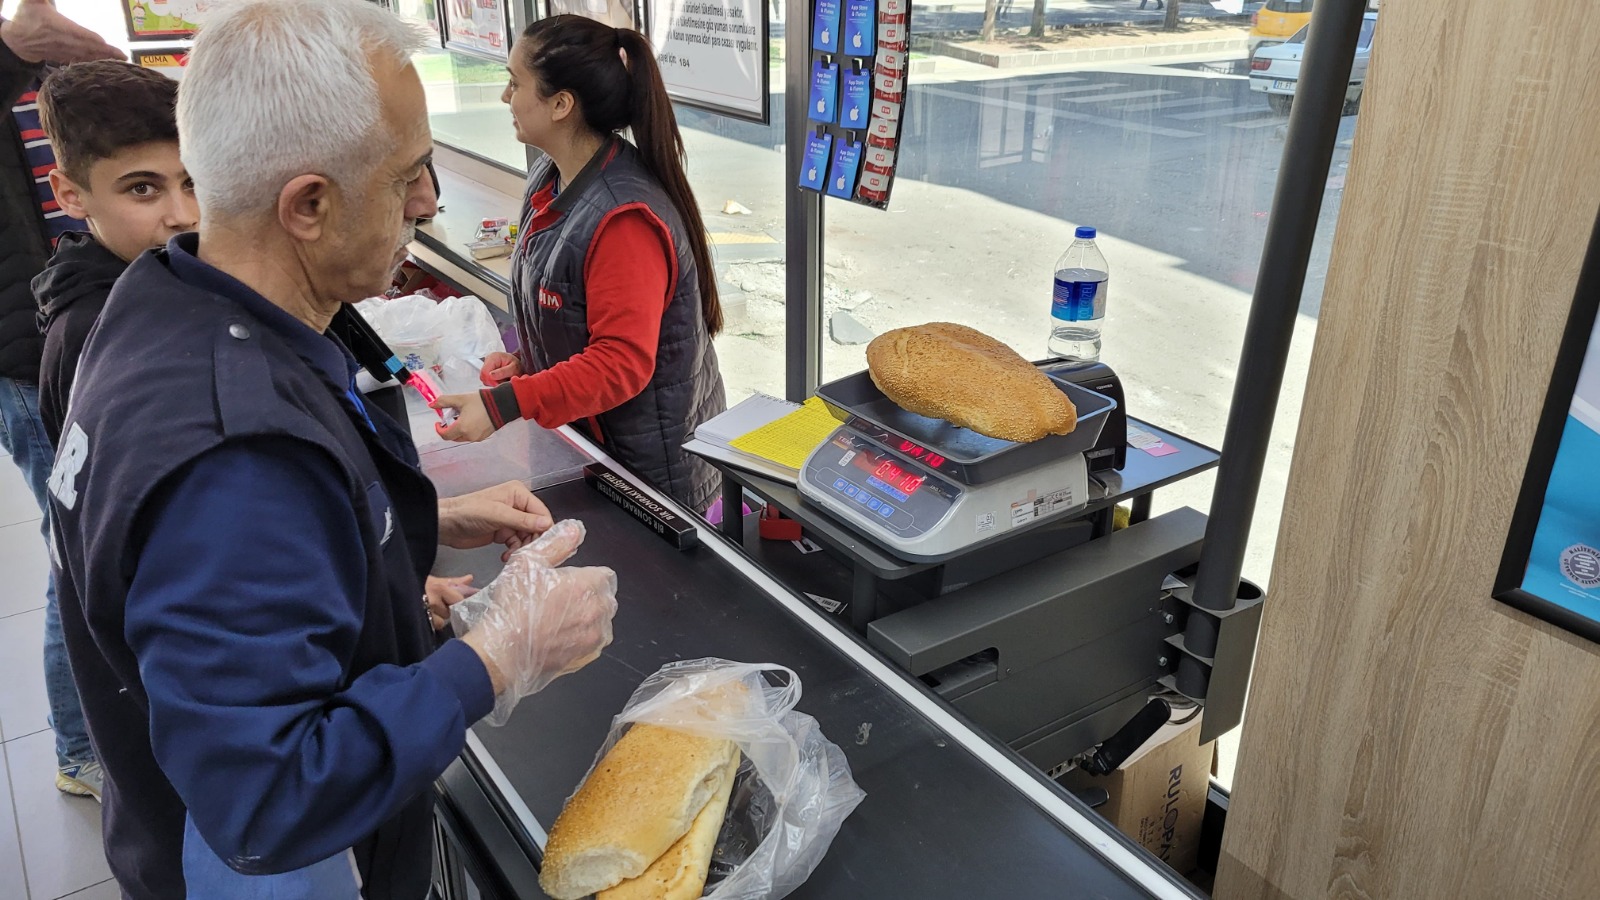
(499, 368)
(443, 593)
(472, 422)
(507, 514)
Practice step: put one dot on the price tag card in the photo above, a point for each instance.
(825, 28)
(883, 129)
(878, 156)
(824, 92)
(886, 109)
(889, 85)
(846, 163)
(815, 167)
(892, 35)
(856, 107)
(860, 22)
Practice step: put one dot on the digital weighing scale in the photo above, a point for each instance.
(927, 490)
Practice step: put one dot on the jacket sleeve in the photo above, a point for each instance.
(15, 76)
(244, 613)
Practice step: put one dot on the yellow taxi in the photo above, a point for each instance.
(1277, 21)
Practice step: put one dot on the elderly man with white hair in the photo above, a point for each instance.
(243, 542)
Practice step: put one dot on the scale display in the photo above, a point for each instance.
(899, 495)
(889, 491)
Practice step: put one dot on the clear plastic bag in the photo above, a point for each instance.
(471, 333)
(794, 788)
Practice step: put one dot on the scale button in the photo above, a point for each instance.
(874, 505)
(887, 511)
(839, 483)
(849, 489)
(863, 498)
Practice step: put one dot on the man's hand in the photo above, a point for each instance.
(443, 593)
(538, 621)
(507, 514)
(499, 368)
(472, 422)
(38, 33)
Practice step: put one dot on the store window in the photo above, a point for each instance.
(737, 171)
(463, 91)
(1009, 145)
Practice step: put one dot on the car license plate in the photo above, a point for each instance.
(1283, 85)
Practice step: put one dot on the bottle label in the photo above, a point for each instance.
(1078, 301)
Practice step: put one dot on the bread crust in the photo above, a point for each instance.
(680, 873)
(961, 375)
(640, 799)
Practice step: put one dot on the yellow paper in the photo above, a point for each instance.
(789, 440)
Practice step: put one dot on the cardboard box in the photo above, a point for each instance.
(1158, 797)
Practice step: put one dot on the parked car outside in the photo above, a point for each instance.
(1275, 71)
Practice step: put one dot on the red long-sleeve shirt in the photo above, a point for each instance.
(626, 291)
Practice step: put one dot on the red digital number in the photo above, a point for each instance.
(911, 483)
(935, 460)
(888, 471)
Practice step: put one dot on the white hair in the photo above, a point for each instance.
(276, 89)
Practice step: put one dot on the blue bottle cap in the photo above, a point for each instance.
(1085, 233)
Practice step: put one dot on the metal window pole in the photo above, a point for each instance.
(1296, 205)
(802, 238)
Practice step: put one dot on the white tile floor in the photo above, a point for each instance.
(49, 842)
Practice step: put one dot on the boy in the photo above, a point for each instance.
(114, 130)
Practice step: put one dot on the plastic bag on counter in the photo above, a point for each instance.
(793, 790)
(472, 333)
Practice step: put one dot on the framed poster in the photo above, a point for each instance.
(714, 54)
(616, 13)
(1551, 565)
(479, 28)
(163, 20)
(169, 61)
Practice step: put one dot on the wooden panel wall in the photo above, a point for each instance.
(1407, 736)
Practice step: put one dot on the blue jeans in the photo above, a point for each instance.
(22, 434)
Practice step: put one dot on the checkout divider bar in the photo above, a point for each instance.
(1116, 850)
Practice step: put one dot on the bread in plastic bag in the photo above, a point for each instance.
(794, 788)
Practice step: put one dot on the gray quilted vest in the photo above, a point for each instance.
(646, 433)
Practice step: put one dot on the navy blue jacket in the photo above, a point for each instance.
(243, 547)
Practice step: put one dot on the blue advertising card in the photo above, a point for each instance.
(825, 28)
(860, 17)
(815, 167)
(1564, 564)
(856, 107)
(846, 162)
(824, 92)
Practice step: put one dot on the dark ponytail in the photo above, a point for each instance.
(580, 55)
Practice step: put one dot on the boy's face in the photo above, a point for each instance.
(135, 200)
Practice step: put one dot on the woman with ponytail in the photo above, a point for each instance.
(613, 289)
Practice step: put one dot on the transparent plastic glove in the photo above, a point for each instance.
(536, 621)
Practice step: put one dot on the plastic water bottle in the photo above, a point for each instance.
(1078, 309)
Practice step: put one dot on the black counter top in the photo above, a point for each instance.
(946, 814)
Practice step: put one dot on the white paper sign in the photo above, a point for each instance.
(713, 53)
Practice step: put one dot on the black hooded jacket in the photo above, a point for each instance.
(71, 292)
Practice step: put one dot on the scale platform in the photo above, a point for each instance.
(927, 490)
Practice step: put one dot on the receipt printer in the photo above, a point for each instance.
(1111, 452)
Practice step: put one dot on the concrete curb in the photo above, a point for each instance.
(1025, 60)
